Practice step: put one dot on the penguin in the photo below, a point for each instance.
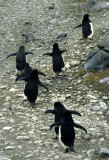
(57, 60)
(20, 59)
(26, 73)
(31, 87)
(59, 111)
(87, 27)
(67, 131)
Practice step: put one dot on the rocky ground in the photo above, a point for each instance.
(24, 132)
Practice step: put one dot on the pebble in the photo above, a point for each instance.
(56, 157)
(9, 147)
(95, 108)
(103, 105)
(100, 142)
(91, 96)
(62, 36)
(20, 147)
(13, 90)
(7, 128)
(74, 63)
(87, 136)
(104, 152)
(23, 137)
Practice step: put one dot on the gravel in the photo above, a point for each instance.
(24, 131)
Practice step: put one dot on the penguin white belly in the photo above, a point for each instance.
(60, 138)
(25, 97)
(90, 36)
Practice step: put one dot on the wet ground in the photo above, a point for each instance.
(24, 132)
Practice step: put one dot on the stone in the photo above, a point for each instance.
(104, 80)
(9, 147)
(61, 36)
(7, 128)
(23, 137)
(13, 89)
(75, 63)
(52, 6)
(103, 44)
(28, 37)
(97, 61)
(104, 152)
(87, 136)
(95, 6)
(100, 142)
(95, 108)
(103, 105)
(56, 157)
(20, 147)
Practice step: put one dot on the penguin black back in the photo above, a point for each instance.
(67, 131)
(59, 111)
(57, 59)
(20, 58)
(86, 27)
(27, 72)
(31, 87)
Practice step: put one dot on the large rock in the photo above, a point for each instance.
(98, 59)
(95, 5)
(104, 152)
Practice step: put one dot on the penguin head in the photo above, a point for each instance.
(55, 46)
(21, 47)
(58, 106)
(86, 17)
(34, 74)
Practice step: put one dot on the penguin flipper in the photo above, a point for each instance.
(20, 77)
(74, 112)
(63, 51)
(57, 124)
(80, 25)
(50, 111)
(42, 85)
(12, 54)
(79, 126)
(41, 73)
(49, 54)
(28, 53)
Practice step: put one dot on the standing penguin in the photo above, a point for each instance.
(87, 28)
(67, 131)
(59, 111)
(57, 59)
(31, 87)
(26, 73)
(20, 58)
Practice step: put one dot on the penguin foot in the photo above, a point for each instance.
(66, 150)
(87, 40)
(55, 137)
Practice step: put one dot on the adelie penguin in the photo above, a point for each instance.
(20, 58)
(26, 73)
(57, 60)
(59, 111)
(67, 131)
(31, 87)
(87, 28)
